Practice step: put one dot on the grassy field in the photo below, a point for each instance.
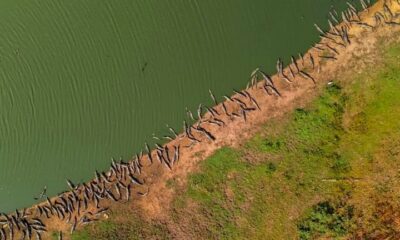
(327, 171)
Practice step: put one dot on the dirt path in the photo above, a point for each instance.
(266, 101)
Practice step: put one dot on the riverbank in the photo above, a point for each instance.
(328, 170)
(154, 197)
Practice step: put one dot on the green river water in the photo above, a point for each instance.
(84, 81)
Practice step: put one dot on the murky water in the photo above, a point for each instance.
(84, 81)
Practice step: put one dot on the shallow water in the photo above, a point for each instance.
(84, 81)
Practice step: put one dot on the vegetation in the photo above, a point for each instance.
(125, 224)
(327, 171)
(327, 219)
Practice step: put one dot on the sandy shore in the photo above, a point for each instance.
(230, 123)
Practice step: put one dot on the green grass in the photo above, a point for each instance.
(373, 110)
(54, 235)
(291, 180)
(237, 199)
(132, 227)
